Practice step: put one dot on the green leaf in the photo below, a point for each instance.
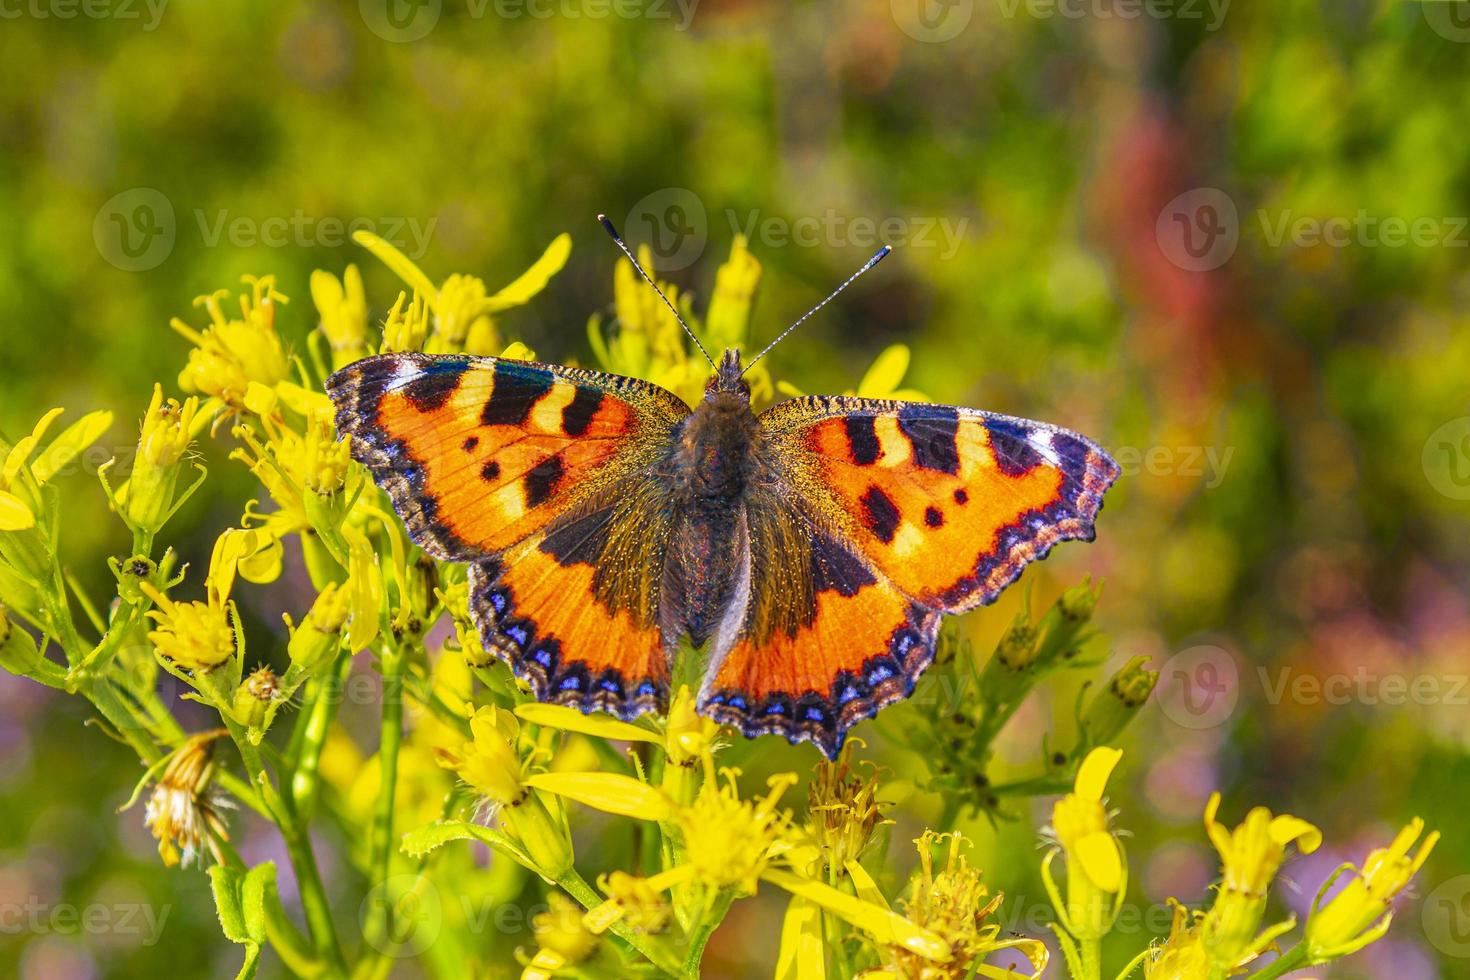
(225, 883)
(419, 842)
(258, 881)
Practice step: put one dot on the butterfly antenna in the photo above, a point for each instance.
(877, 257)
(608, 226)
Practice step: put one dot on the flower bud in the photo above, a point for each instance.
(1116, 705)
(315, 643)
(254, 697)
(149, 495)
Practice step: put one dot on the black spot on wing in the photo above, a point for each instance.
(490, 472)
(836, 569)
(436, 382)
(961, 497)
(933, 517)
(1011, 445)
(471, 444)
(514, 393)
(882, 514)
(862, 439)
(542, 479)
(932, 431)
(577, 416)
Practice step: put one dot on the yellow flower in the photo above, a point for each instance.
(463, 309)
(231, 355)
(1362, 911)
(642, 908)
(193, 635)
(183, 812)
(323, 460)
(342, 306)
(728, 841)
(954, 904)
(560, 930)
(1181, 956)
(491, 763)
(1097, 871)
(1250, 857)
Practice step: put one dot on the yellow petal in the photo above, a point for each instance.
(1092, 775)
(889, 928)
(14, 514)
(801, 956)
(534, 279)
(400, 264)
(863, 883)
(606, 791)
(887, 372)
(67, 446)
(1286, 828)
(571, 720)
(1097, 852)
(20, 453)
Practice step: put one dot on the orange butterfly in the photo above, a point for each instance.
(811, 548)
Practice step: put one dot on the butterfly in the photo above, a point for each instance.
(810, 550)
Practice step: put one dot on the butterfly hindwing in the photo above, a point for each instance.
(543, 478)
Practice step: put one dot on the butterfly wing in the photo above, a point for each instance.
(543, 477)
(900, 512)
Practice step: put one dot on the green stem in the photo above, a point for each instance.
(1283, 964)
(314, 902)
(1091, 958)
(311, 735)
(705, 928)
(390, 739)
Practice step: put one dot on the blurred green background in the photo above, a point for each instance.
(1227, 241)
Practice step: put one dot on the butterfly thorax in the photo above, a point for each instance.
(714, 459)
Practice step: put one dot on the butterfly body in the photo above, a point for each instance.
(808, 551)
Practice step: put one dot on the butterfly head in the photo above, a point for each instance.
(727, 379)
